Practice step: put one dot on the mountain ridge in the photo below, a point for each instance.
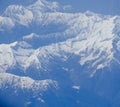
(57, 55)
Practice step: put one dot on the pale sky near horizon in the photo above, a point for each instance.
(108, 7)
(111, 7)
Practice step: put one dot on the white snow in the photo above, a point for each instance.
(6, 57)
(19, 14)
(99, 38)
(6, 23)
(92, 37)
(76, 87)
(43, 6)
(31, 36)
(17, 82)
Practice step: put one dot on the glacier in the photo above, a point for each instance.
(51, 58)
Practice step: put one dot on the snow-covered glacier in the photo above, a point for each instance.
(52, 58)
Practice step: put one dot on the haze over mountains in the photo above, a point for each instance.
(51, 58)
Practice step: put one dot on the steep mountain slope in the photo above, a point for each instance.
(49, 58)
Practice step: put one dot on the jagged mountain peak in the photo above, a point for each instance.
(38, 5)
(94, 45)
(45, 52)
(44, 6)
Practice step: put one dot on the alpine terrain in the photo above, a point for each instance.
(53, 58)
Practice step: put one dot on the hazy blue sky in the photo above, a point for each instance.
(99, 6)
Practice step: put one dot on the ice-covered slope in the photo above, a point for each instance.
(43, 48)
(91, 40)
(15, 87)
(26, 15)
(25, 83)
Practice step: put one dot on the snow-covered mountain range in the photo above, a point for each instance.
(51, 58)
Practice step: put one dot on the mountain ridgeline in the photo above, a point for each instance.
(50, 58)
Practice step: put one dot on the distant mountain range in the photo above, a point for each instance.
(50, 58)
